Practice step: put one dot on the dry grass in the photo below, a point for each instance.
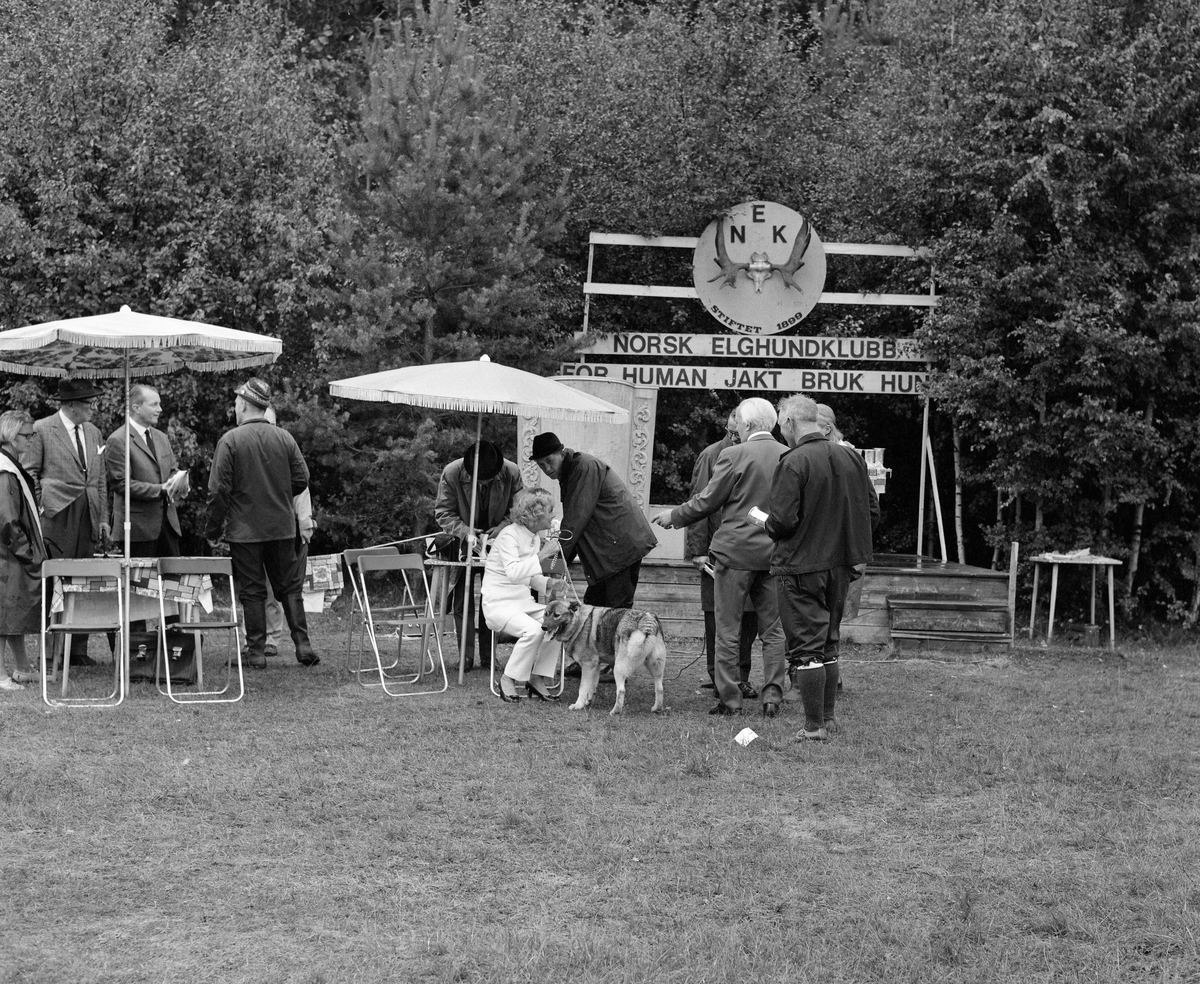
(1013, 820)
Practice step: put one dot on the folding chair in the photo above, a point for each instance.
(357, 608)
(412, 618)
(214, 567)
(111, 580)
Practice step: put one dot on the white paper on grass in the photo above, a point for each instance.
(744, 737)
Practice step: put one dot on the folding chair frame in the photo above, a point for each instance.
(214, 567)
(85, 567)
(410, 614)
(357, 616)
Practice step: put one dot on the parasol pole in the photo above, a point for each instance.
(470, 589)
(124, 640)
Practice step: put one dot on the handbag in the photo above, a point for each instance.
(181, 658)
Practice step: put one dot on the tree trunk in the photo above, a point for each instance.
(1139, 515)
(999, 520)
(958, 495)
(429, 338)
(1194, 609)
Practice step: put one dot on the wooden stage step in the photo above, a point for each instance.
(963, 607)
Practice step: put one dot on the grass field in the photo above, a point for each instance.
(1017, 819)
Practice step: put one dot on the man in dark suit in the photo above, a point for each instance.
(64, 460)
(499, 480)
(153, 519)
(821, 517)
(695, 548)
(741, 553)
(602, 523)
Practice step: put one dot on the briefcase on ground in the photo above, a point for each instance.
(181, 657)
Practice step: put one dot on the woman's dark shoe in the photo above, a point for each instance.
(508, 691)
(533, 691)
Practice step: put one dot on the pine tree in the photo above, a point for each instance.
(450, 214)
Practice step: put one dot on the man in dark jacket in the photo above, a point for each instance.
(601, 523)
(499, 480)
(741, 552)
(257, 471)
(695, 548)
(821, 517)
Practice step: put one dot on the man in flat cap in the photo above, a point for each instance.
(65, 459)
(499, 480)
(601, 523)
(257, 472)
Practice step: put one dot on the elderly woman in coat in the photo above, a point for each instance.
(21, 551)
(512, 572)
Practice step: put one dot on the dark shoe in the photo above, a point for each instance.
(256, 660)
(269, 650)
(83, 660)
(309, 658)
(514, 697)
(468, 666)
(708, 686)
(606, 675)
(573, 670)
(533, 691)
(748, 692)
(770, 709)
(723, 710)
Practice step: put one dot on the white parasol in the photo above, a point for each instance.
(477, 387)
(126, 343)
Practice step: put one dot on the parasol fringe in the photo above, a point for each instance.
(257, 344)
(230, 364)
(21, 369)
(261, 343)
(511, 408)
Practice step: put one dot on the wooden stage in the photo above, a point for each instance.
(904, 601)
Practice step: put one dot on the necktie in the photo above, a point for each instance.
(150, 446)
(79, 448)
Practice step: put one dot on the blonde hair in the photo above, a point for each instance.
(527, 502)
(10, 425)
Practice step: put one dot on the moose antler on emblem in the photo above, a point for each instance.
(760, 268)
(788, 271)
(729, 269)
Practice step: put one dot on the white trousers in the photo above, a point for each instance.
(533, 653)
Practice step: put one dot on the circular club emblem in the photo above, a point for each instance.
(759, 268)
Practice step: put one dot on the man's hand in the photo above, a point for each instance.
(699, 561)
(306, 535)
(663, 519)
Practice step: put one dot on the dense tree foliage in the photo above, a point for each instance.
(383, 182)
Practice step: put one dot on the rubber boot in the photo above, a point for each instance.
(255, 616)
(809, 681)
(833, 684)
(297, 620)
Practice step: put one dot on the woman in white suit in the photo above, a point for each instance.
(512, 573)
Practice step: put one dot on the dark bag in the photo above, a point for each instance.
(181, 663)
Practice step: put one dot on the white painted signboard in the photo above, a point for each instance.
(765, 380)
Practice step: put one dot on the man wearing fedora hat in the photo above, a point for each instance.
(257, 471)
(70, 481)
(601, 523)
(498, 481)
